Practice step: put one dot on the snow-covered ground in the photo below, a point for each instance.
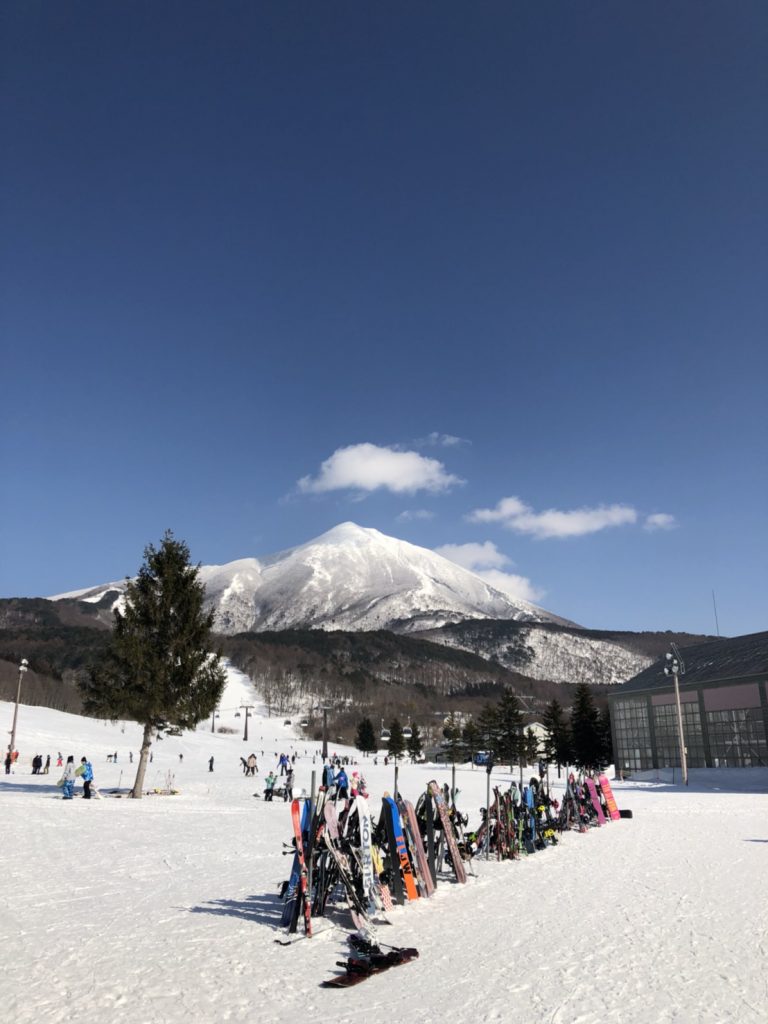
(164, 910)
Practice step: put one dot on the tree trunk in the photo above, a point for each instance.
(146, 743)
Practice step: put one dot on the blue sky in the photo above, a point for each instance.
(487, 275)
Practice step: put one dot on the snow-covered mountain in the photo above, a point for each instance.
(350, 578)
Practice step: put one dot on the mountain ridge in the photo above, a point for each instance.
(350, 578)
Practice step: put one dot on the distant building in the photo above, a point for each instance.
(724, 700)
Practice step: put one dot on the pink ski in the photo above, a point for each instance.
(595, 798)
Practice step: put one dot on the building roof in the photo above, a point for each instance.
(716, 660)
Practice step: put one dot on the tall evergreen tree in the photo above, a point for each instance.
(531, 748)
(365, 740)
(585, 729)
(452, 736)
(510, 727)
(415, 744)
(558, 742)
(488, 727)
(471, 738)
(161, 668)
(606, 737)
(396, 743)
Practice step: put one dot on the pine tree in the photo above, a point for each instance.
(415, 745)
(488, 727)
(452, 735)
(510, 727)
(160, 668)
(530, 747)
(396, 743)
(558, 742)
(585, 729)
(365, 741)
(606, 737)
(471, 738)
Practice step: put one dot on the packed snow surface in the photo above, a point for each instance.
(165, 910)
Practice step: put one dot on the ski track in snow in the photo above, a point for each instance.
(164, 910)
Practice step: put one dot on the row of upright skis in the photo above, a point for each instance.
(341, 854)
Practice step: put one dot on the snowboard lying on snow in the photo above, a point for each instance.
(368, 959)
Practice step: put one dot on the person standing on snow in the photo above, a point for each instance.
(210, 763)
(68, 778)
(342, 785)
(87, 774)
(47, 765)
(269, 786)
(288, 786)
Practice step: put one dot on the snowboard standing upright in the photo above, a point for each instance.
(450, 838)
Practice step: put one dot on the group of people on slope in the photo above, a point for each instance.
(83, 771)
(287, 787)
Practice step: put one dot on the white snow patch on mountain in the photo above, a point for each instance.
(351, 578)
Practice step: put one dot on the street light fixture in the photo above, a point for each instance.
(675, 667)
(23, 667)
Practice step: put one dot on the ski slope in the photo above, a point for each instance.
(164, 910)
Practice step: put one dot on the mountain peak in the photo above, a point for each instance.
(354, 578)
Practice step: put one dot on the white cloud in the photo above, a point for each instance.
(474, 556)
(512, 585)
(486, 561)
(409, 514)
(515, 515)
(436, 439)
(660, 521)
(368, 467)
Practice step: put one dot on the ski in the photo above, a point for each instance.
(448, 835)
(303, 899)
(595, 799)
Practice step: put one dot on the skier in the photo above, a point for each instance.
(181, 758)
(252, 765)
(130, 756)
(59, 760)
(288, 794)
(210, 763)
(342, 785)
(68, 778)
(87, 774)
(8, 763)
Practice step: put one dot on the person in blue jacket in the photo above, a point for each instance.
(342, 785)
(87, 774)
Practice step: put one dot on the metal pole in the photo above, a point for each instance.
(325, 733)
(213, 720)
(22, 670)
(680, 735)
(453, 784)
(395, 792)
(488, 813)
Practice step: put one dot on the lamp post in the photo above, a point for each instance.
(23, 667)
(675, 667)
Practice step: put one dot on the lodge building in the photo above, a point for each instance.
(724, 701)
